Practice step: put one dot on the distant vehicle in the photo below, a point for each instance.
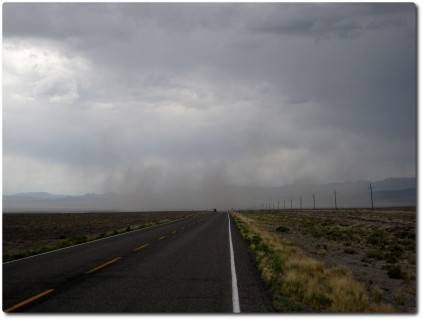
(215, 210)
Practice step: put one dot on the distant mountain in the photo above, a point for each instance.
(43, 201)
(396, 184)
(386, 193)
(39, 195)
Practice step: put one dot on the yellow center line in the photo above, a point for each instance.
(143, 246)
(104, 264)
(162, 237)
(20, 304)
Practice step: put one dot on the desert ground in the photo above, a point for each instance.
(378, 247)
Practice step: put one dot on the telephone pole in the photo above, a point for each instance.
(336, 206)
(301, 203)
(314, 202)
(371, 194)
(291, 204)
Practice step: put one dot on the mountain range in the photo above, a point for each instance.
(392, 192)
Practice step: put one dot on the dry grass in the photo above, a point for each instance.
(377, 247)
(300, 283)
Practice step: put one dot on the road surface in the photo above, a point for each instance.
(185, 266)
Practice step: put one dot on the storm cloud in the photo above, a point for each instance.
(152, 100)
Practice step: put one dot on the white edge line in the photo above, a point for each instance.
(80, 244)
(235, 296)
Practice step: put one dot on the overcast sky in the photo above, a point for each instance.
(147, 97)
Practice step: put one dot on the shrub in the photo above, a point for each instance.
(395, 272)
(350, 251)
(282, 229)
(377, 238)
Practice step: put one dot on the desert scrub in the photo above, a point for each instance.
(327, 228)
(300, 283)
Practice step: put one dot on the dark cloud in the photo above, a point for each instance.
(148, 98)
(326, 20)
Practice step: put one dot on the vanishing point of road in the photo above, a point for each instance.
(197, 264)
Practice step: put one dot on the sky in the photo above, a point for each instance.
(144, 99)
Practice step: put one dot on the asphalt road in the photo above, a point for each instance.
(179, 267)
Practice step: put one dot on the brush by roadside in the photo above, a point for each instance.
(300, 283)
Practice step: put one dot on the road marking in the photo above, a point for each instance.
(235, 296)
(174, 232)
(102, 239)
(143, 246)
(104, 265)
(162, 237)
(20, 304)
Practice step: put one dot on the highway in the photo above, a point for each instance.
(185, 266)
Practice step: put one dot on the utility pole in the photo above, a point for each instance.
(291, 204)
(301, 203)
(336, 206)
(371, 194)
(314, 202)
(278, 205)
(284, 205)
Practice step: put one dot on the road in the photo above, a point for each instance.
(180, 267)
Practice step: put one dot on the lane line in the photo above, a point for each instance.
(104, 265)
(162, 237)
(174, 232)
(20, 304)
(88, 242)
(141, 247)
(235, 296)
